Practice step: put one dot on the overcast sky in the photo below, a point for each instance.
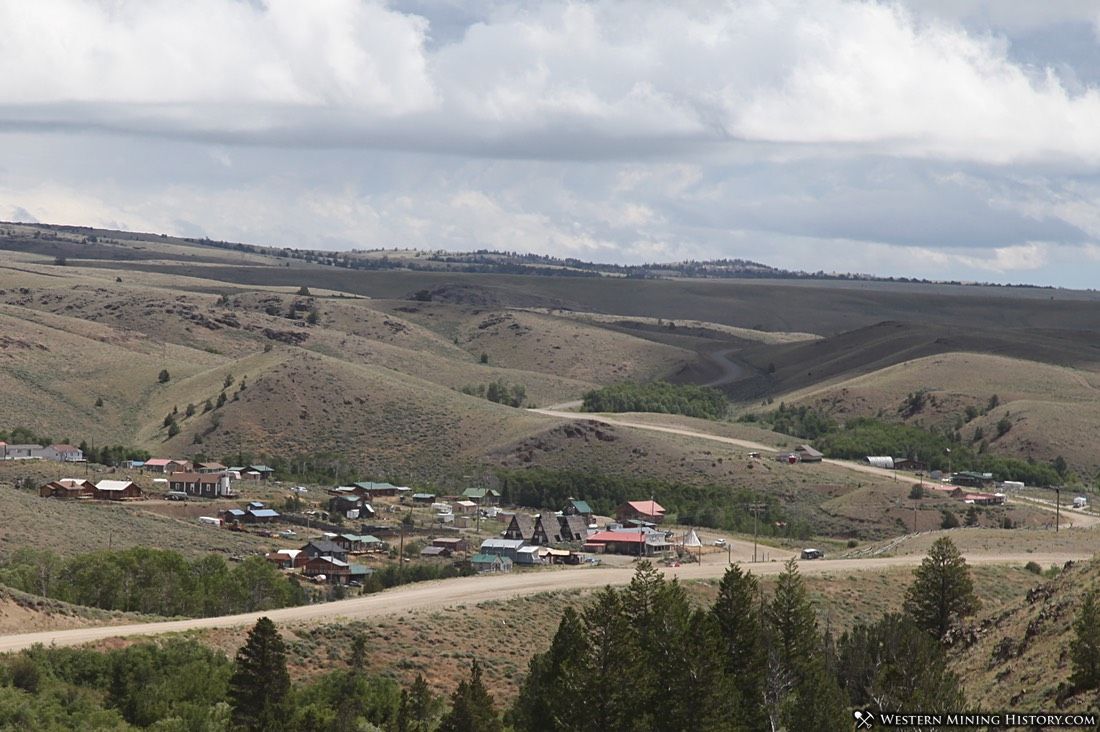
(950, 139)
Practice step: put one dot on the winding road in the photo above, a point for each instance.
(472, 590)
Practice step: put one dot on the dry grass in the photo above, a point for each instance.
(720, 329)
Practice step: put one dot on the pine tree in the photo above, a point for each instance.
(260, 684)
(164, 376)
(942, 589)
(553, 676)
(614, 661)
(793, 623)
(472, 708)
(1085, 647)
(737, 612)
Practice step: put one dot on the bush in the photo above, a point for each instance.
(1033, 567)
(164, 376)
(950, 520)
(916, 492)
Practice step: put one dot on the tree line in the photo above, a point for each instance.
(658, 396)
(644, 657)
(153, 581)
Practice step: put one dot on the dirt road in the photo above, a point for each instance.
(472, 590)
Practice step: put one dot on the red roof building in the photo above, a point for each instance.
(642, 510)
(619, 542)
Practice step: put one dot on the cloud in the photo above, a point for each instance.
(540, 80)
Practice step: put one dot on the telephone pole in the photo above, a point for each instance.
(755, 509)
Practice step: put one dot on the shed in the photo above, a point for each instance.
(808, 454)
(435, 552)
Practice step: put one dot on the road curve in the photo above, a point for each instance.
(471, 590)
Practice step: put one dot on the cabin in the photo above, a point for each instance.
(210, 468)
(117, 490)
(204, 485)
(260, 516)
(387, 490)
(22, 452)
(482, 496)
(357, 543)
(485, 563)
(323, 547)
(521, 527)
(465, 507)
(352, 507)
(435, 552)
(569, 529)
(68, 489)
(283, 558)
(578, 508)
(645, 510)
(423, 497)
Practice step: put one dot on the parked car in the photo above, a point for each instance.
(812, 554)
(288, 534)
(719, 542)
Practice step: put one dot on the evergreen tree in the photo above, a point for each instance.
(554, 676)
(614, 661)
(740, 624)
(794, 626)
(942, 589)
(260, 685)
(1085, 647)
(472, 708)
(164, 376)
(894, 665)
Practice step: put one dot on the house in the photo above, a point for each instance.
(379, 489)
(349, 490)
(22, 452)
(335, 570)
(323, 547)
(68, 488)
(435, 552)
(483, 496)
(352, 507)
(116, 490)
(454, 544)
(521, 527)
(356, 543)
(166, 465)
(423, 497)
(644, 510)
(465, 507)
(263, 471)
(62, 454)
(490, 563)
(578, 508)
(501, 547)
(909, 464)
(635, 543)
(807, 454)
(985, 499)
(570, 528)
(260, 516)
(210, 468)
(232, 515)
(206, 485)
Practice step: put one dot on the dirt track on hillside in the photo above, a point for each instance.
(472, 590)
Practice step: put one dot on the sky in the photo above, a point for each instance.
(946, 139)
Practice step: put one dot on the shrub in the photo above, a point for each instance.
(1033, 567)
(164, 376)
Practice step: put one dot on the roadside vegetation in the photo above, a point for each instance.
(939, 449)
(152, 581)
(658, 396)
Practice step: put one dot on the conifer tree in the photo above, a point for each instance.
(260, 685)
(1085, 647)
(472, 708)
(738, 615)
(942, 589)
(554, 676)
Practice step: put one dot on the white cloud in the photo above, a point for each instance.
(560, 79)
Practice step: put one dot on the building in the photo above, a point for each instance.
(880, 461)
(206, 485)
(68, 488)
(423, 498)
(490, 563)
(263, 471)
(528, 555)
(380, 489)
(116, 490)
(232, 515)
(323, 547)
(351, 506)
(465, 507)
(501, 547)
(482, 496)
(22, 452)
(284, 558)
(570, 528)
(521, 527)
(357, 543)
(578, 508)
(644, 510)
(336, 571)
(166, 465)
(435, 552)
(454, 544)
(62, 454)
(634, 543)
(807, 454)
(210, 468)
(260, 516)
(984, 499)
(910, 465)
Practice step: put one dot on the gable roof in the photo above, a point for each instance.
(501, 544)
(369, 485)
(434, 551)
(113, 485)
(649, 508)
(581, 506)
(263, 512)
(195, 478)
(480, 493)
(324, 546)
(575, 524)
(159, 462)
(488, 559)
(523, 524)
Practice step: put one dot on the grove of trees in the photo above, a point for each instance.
(658, 396)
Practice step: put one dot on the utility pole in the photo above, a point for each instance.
(1057, 509)
(755, 508)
